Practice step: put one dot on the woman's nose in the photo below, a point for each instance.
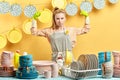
(60, 20)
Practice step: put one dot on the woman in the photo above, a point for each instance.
(61, 38)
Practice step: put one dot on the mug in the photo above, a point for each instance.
(47, 74)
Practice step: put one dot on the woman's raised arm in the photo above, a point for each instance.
(86, 27)
(36, 32)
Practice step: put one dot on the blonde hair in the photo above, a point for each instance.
(56, 11)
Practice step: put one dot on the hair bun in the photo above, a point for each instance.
(56, 8)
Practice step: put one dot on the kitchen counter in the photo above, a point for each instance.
(58, 78)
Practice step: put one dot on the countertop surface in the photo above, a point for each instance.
(40, 77)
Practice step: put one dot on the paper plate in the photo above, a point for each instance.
(15, 9)
(46, 16)
(86, 6)
(113, 1)
(59, 3)
(3, 41)
(71, 9)
(99, 4)
(26, 26)
(29, 11)
(14, 35)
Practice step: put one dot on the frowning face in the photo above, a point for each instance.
(60, 19)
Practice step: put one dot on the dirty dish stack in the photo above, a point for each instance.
(6, 68)
(102, 58)
(116, 66)
(107, 70)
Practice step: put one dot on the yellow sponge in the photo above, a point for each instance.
(84, 13)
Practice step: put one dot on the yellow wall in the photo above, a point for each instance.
(103, 36)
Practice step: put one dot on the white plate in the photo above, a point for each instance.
(113, 1)
(15, 9)
(86, 6)
(99, 4)
(4, 7)
(71, 9)
(29, 10)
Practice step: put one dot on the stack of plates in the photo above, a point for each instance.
(107, 70)
(85, 62)
(77, 65)
(116, 72)
(116, 55)
(103, 57)
(7, 71)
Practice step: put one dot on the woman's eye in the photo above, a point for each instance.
(62, 18)
(57, 18)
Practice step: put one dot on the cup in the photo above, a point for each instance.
(54, 70)
(47, 74)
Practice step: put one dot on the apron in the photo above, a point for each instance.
(60, 42)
